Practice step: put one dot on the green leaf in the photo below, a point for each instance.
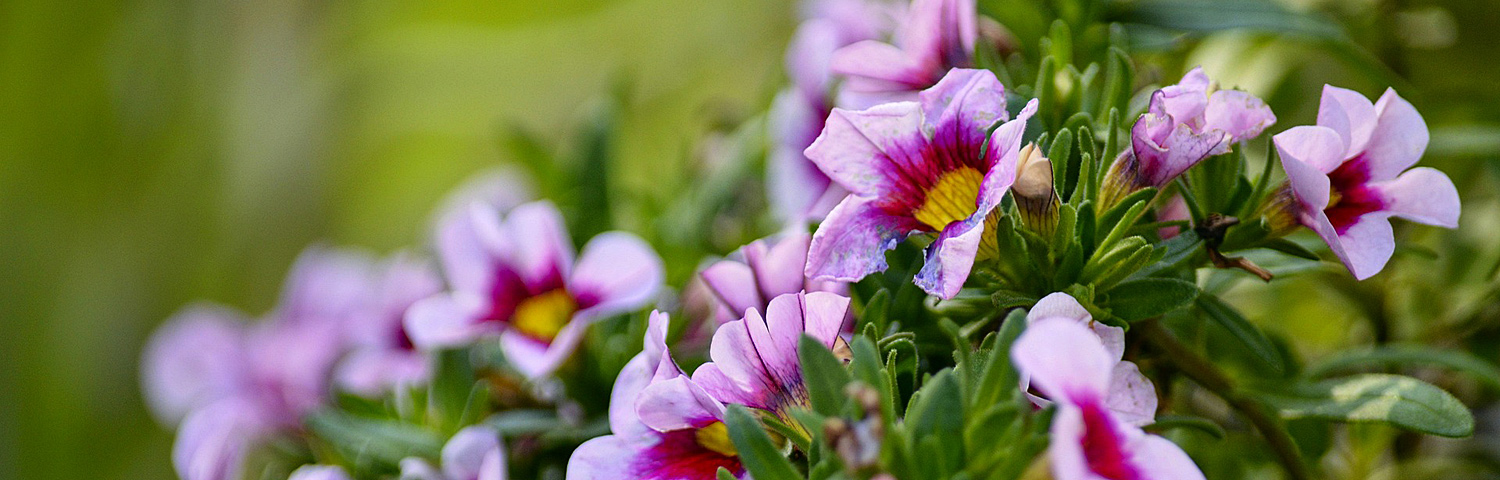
(1011, 299)
(760, 456)
(725, 475)
(1399, 401)
(824, 376)
(1173, 252)
(450, 389)
(1399, 355)
(1290, 248)
(1220, 15)
(998, 376)
(937, 412)
(383, 441)
(1242, 330)
(1150, 297)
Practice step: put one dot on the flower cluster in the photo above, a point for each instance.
(956, 268)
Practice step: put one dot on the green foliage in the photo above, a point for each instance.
(759, 454)
(1391, 399)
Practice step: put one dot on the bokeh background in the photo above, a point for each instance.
(154, 152)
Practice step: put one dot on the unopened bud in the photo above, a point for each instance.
(1035, 196)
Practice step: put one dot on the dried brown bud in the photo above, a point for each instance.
(1033, 190)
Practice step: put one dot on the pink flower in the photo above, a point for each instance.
(383, 356)
(754, 360)
(1131, 396)
(1346, 174)
(319, 472)
(1185, 124)
(665, 426)
(1066, 362)
(935, 36)
(797, 190)
(917, 167)
(763, 270)
(518, 279)
(474, 453)
(232, 384)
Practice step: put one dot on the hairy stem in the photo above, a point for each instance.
(1204, 373)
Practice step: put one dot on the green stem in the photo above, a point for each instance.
(1210, 377)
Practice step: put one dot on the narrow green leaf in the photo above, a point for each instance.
(1173, 252)
(1170, 422)
(1242, 330)
(1399, 401)
(1150, 297)
(1407, 355)
(824, 376)
(1290, 248)
(449, 391)
(998, 376)
(384, 441)
(760, 456)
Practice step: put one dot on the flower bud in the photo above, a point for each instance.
(1036, 199)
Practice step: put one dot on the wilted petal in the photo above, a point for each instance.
(1398, 140)
(1187, 99)
(852, 242)
(1422, 195)
(618, 272)
(196, 357)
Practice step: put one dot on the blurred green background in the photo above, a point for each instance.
(153, 152)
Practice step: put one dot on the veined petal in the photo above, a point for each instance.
(950, 258)
(1350, 114)
(676, 404)
(1309, 184)
(738, 373)
(961, 108)
(1398, 140)
(617, 272)
(852, 242)
(825, 315)
(1422, 195)
(863, 150)
(1187, 99)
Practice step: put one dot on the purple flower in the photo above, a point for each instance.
(1067, 363)
(1130, 396)
(474, 453)
(764, 269)
(665, 425)
(1185, 124)
(233, 384)
(319, 472)
(917, 167)
(383, 356)
(754, 360)
(518, 279)
(797, 190)
(1346, 174)
(935, 36)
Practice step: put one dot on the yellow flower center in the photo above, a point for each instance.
(543, 316)
(715, 437)
(951, 199)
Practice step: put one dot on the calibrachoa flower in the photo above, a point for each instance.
(754, 360)
(383, 356)
(1185, 124)
(917, 167)
(474, 453)
(239, 383)
(797, 190)
(1067, 363)
(764, 269)
(665, 426)
(518, 279)
(934, 36)
(1131, 396)
(1346, 175)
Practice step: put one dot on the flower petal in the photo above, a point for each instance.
(1132, 396)
(319, 472)
(1002, 153)
(603, 458)
(1064, 360)
(1058, 304)
(540, 251)
(864, 150)
(778, 266)
(1187, 99)
(961, 108)
(370, 372)
(1398, 140)
(677, 404)
(213, 440)
(464, 455)
(796, 189)
(1351, 115)
(733, 283)
(536, 359)
(1158, 457)
(1366, 246)
(1242, 115)
(196, 357)
(617, 272)
(852, 242)
(950, 258)
(876, 66)
(1422, 195)
(447, 320)
(654, 362)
